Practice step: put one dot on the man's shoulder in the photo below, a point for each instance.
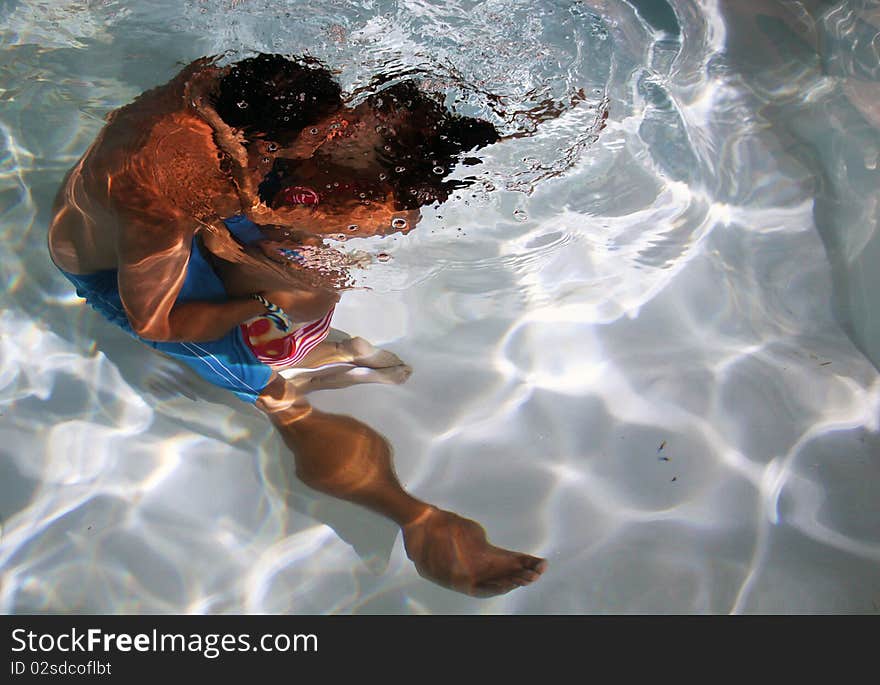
(135, 128)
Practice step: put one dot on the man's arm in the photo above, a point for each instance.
(205, 321)
(152, 269)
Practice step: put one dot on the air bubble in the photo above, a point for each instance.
(353, 227)
(362, 195)
(382, 177)
(266, 160)
(383, 257)
(242, 104)
(313, 131)
(272, 147)
(400, 169)
(399, 223)
(520, 215)
(439, 170)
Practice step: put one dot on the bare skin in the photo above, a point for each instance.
(149, 184)
(345, 458)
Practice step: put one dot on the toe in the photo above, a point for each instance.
(528, 576)
(534, 564)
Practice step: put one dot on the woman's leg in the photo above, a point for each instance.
(345, 458)
(355, 351)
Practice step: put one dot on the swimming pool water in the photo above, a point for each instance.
(647, 353)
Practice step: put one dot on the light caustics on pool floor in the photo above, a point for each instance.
(625, 345)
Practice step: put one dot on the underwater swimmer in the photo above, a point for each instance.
(191, 223)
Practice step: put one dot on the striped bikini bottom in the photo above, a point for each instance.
(279, 349)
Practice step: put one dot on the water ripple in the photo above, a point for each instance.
(626, 334)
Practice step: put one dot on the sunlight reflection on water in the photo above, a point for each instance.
(674, 280)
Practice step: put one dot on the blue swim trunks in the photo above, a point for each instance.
(227, 362)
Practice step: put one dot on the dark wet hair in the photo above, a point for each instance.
(276, 96)
(420, 140)
(422, 143)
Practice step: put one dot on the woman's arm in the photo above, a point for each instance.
(252, 271)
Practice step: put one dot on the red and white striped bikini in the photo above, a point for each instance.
(280, 348)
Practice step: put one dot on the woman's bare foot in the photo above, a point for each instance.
(391, 375)
(364, 354)
(454, 552)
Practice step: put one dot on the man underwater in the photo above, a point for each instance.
(195, 223)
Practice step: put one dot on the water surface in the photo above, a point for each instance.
(638, 352)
